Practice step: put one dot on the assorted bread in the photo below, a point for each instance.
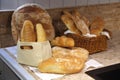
(31, 23)
(65, 61)
(82, 25)
(29, 34)
(36, 14)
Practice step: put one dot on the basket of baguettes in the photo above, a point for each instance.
(89, 35)
(33, 32)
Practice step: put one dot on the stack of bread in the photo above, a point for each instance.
(65, 61)
(66, 58)
(36, 14)
(32, 44)
(86, 34)
(32, 30)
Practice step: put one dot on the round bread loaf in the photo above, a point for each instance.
(34, 13)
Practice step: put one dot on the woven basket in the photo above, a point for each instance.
(93, 45)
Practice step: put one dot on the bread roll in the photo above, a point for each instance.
(34, 13)
(27, 33)
(77, 52)
(87, 22)
(70, 24)
(41, 35)
(62, 65)
(80, 23)
(63, 41)
(97, 26)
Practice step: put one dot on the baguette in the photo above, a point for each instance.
(80, 23)
(70, 24)
(27, 33)
(41, 35)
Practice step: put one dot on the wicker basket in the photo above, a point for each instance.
(93, 45)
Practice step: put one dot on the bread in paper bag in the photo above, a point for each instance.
(31, 52)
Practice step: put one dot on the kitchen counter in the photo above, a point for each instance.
(8, 55)
(106, 58)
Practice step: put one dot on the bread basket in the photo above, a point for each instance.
(92, 44)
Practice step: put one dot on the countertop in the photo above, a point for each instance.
(106, 58)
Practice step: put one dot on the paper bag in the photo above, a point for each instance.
(39, 51)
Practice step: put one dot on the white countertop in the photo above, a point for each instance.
(14, 65)
(8, 55)
(108, 57)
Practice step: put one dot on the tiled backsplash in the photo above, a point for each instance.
(13, 4)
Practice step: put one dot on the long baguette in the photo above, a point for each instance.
(27, 33)
(41, 35)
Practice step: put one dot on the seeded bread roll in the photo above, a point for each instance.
(34, 13)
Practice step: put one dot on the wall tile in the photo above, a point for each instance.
(103, 1)
(56, 3)
(21, 2)
(43, 3)
(69, 3)
(8, 4)
(13, 4)
(93, 2)
(81, 2)
(111, 1)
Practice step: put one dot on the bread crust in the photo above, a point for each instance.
(62, 65)
(97, 26)
(63, 41)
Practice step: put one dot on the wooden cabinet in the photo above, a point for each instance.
(6, 73)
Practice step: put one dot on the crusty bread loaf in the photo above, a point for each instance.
(63, 41)
(35, 14)
(97, 26)
(62, 65)
(70, 24)
(87, 22)
(27, 33)
(65, 61)
(80, 23)
(41, 35)
(76, 51)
